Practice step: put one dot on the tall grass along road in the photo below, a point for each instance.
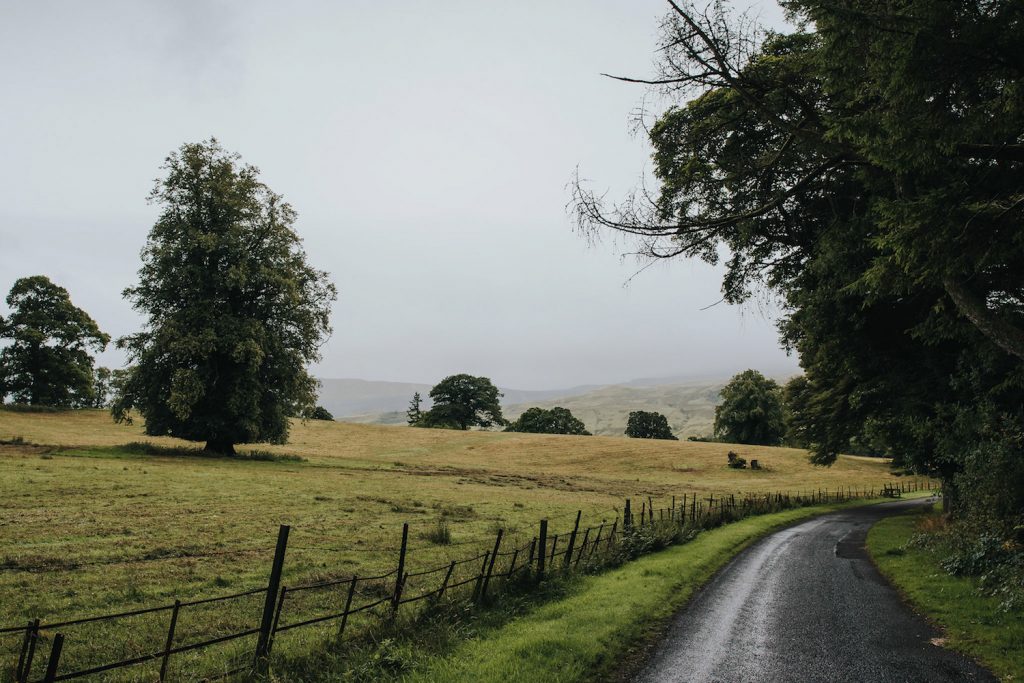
(806, 604)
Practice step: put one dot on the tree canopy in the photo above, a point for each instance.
(319, 413)
(750, 411)
(866, 168)
(544, 421)
(642, 424)
(463, 401)
(47, 360)
(234, 311)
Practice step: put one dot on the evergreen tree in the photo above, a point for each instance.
(413, 415)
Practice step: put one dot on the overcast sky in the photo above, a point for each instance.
(426, 146)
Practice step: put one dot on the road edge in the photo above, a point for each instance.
(607, 624)
(930, 611)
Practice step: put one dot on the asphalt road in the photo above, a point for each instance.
(806, 604)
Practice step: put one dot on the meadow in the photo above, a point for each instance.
(92, 522)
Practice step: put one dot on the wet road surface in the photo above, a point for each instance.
(806, 604)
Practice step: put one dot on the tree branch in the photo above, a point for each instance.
(996, 152)
(1001, 333)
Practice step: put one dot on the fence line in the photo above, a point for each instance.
(528, 563)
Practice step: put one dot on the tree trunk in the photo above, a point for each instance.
(220, 446)
(950, 496)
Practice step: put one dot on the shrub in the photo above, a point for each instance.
(441, 534)
(736, 462)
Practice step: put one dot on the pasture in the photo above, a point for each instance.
(91, 526)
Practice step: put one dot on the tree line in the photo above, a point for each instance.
(233, 313)
(866, 167)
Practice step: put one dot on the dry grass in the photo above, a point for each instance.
(88, 528)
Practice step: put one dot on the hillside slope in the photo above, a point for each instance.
(360, 400)
(690, 408)
(688, 405)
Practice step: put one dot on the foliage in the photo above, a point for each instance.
(796, 396)
(735, 461)
(414, 414)
(986, 626)
(463, 401)
(102, 389)
(866, 167)
(648, 425)
(235, 313)
(543, 421)
(319, 413)
(441, 534)
(29, 408)
(47, 361)
(750, 411)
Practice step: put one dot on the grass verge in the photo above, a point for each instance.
(971, 622)
(584, 629)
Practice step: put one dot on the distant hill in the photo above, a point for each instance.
(689, 404)
(689, 407)
(353, 397)
(359, 400)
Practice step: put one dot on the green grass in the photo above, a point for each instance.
(972, 623)
(586, 630)
(100, 518)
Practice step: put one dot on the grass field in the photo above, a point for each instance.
(971, 622)
(90, 527)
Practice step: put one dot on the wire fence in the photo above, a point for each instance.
(261, 615)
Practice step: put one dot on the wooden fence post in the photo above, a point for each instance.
(170, 641)
(542, 546)
(400, 574)
(572, 539)
(490, 567)
(611, 536)
(263, 642)
(480, 576)
(650, 509)
(51, 666)
(348, 604)
(627, 518)
(643, 512)
(533, 549)
(444, 584)
(597, 541)
(28, 651)
(583, 546)
(277, 617)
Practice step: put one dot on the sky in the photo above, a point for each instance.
(427, 147)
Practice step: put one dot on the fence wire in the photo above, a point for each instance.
(174, 633)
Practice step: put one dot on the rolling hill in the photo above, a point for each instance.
(689, 404)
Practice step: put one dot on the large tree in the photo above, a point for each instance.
(642, 424)
(235, 313)
(463, 401)
(47, 360)
(866, 168)
(750, 411)
(557, 420)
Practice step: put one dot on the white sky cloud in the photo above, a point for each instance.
(426, 147)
